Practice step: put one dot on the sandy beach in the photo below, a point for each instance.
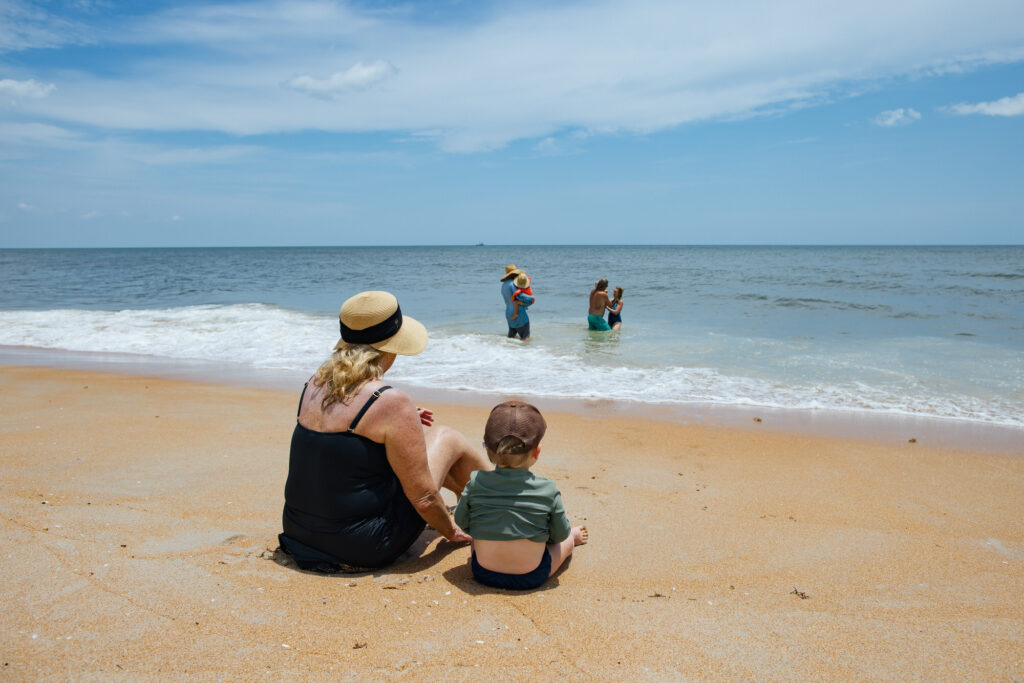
(140, 518)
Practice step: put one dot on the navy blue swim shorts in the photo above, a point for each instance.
(523, 332)
(516, 582)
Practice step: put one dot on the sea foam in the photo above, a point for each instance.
(270, 337)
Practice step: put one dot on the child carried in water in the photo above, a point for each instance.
(615, 310)
(521, 534)
(523, 285)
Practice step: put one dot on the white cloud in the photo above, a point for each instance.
(28, 88)
(548, 145)
(896, 117)
(24, 25)
(157, 156)
(90, 215)
(526, 70)
(1007, 106)
(358, 77)
(38, 133)
(25, 207)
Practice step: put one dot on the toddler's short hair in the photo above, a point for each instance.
(509, 452)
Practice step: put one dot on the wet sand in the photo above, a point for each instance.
(140, 518)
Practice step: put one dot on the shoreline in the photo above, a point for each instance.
(141, 517)
(886, 428)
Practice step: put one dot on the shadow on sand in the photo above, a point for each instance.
(419, 558)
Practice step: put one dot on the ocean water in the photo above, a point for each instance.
(926, 331)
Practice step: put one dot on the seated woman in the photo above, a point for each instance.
(363, 479)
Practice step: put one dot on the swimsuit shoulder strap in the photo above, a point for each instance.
(303, 396)
(366, 406)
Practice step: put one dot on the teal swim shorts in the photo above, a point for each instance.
(597, 322)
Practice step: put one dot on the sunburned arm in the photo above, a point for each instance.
(407, 455)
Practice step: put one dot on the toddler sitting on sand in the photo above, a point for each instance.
(521, 534)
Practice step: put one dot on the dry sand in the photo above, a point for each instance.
(140, 518)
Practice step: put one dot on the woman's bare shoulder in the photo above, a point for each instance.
(393, 396)
(391, 404)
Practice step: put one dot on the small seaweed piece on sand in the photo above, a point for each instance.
(799, 593)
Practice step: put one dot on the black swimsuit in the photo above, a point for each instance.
(343, 503)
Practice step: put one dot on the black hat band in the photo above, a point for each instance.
(375, 333)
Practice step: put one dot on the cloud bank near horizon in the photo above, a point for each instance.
(528, 70)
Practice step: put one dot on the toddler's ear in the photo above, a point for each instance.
(536, 451)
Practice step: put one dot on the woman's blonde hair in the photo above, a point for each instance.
(349, 367)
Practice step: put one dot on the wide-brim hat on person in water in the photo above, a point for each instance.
(374, 318)
(510, 270)
(522, 281)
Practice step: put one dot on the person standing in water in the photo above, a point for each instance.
(615, 310)
(518, 322)
(522, 298)
(507, 287)
(598, 303)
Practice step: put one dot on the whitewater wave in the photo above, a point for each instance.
(269, 337)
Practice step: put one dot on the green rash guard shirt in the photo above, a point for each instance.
(509, 503)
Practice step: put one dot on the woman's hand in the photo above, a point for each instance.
(459, 536)
(426, 416)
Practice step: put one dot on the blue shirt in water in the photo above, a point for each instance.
(515, 321)
(507, 287)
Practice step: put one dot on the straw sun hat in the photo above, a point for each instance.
(510, 270)
(374, 318)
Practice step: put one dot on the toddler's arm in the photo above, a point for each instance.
(559, 521)
(461, 513)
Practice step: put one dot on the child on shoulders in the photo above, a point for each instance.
(521, 534)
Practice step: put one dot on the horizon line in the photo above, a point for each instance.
(520, 246)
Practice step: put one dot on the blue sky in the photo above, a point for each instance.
(647, 122)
